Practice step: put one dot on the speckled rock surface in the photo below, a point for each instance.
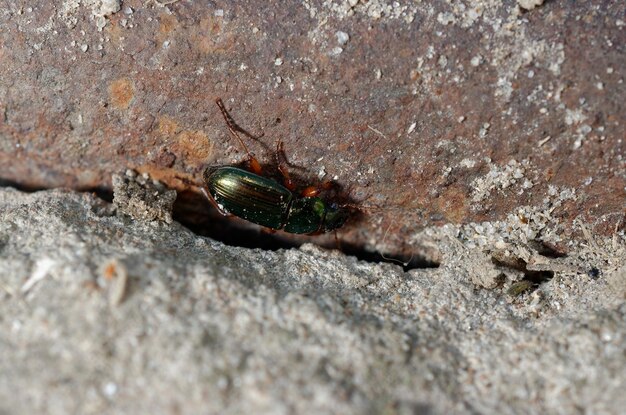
(104, 313)
(437, 112)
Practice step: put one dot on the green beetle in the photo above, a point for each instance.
(262, 200)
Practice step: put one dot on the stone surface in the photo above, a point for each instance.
(142, 198)
(434, 113)
(103, 313)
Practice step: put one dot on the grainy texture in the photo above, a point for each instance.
(141, 198)
(103, 314)
(437, 112)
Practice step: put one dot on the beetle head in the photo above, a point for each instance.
(335, 217)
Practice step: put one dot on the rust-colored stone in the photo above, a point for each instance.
(427, 113)
(192, 145)
(121, 92)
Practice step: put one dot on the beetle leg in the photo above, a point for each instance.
(313, 191)
(233, 128)
(310, 191)
(282, 163)
(214, 203)
(318, 232)
(254, 165)
(337, 242)
(185, 181)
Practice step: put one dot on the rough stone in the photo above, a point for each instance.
(102, 313)
(435, 113)
(141, 198)
(529, 4)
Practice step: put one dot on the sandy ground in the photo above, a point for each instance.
(105, 313)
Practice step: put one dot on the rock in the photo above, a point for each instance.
(142, 198)
(529, 4)
(104, 313)
(426, 113)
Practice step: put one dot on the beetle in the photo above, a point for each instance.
(249, 195)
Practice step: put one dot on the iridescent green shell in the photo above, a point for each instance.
(249, 196)
(265, 202)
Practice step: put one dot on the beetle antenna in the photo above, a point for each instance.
(361, 206)
(231, 125)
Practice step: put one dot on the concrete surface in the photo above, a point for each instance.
(486, 137)
(104, 313)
